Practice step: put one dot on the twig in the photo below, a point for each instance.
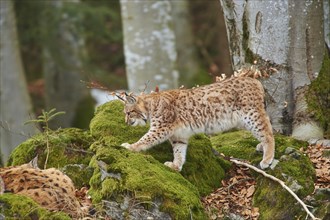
(279, 181)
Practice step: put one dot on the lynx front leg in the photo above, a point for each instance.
(179, 153)
(153, 137)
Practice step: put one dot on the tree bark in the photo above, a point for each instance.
(64, 53)
(187, 62)
(306, 53)
(15, 103)
(326, 11)
(272, 34)
(149, 45)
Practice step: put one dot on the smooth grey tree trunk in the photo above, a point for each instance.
(187, 62)
(64, 53)
(149, 45)
(15, 102)
(306, 54)
(273, 34)
(326, 11)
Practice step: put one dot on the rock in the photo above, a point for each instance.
(143, 176)
(289, 150)
(202, 167)
(293, 167)
(233, 216)
(274, 163)
(294, 186)
(67, 146)
(144, 180)
(321, 203)
(80, 174)
(324, 142)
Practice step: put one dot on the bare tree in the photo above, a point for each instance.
(149, 44)
(64, 53)
(15, 103)
(286, 36)
(187, 62)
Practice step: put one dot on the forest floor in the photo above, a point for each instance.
(235, 196)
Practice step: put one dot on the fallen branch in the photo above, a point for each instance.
(276, 180)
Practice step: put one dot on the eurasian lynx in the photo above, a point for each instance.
(176, 115)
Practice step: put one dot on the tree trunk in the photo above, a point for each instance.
(15, 103)
(272, 34)
(305, 59)
(187, 62)
(326, 10)
(149, 45)
(64, 53)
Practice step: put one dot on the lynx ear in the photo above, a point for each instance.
(130, 99)
(120, 98)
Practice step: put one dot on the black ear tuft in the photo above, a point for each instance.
(119, 97)
(130, 99)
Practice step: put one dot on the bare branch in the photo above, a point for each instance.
(276, 180)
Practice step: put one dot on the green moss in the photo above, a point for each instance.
(293, 168)
(318, 96)
(242, 144)
(274, 202)
(21, 207)
(67, 146)
(80, 174)
(84, 112)
(202, 167)
(109, 125)
(147, 179)
(239, 144)
(323, 212)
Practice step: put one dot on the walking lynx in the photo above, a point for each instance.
(176, 115)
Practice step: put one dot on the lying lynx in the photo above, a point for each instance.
(50, 188)
(176, 115)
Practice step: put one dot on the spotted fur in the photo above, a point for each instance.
(176, 115)
(50, 188)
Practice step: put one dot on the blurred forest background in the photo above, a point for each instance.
(59, 47)
(52, 51)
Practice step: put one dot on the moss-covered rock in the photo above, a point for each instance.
(145, 179)
(21, 207)
(294, 168)
(318, 96)
(202, 167)
(80, 174)
(67, 146)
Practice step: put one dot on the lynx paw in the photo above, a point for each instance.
(126, 145)
(264, 165)
(260, 147)
(172, 166)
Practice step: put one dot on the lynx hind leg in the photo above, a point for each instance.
(258, 123)
(179, 153)
(260, 148)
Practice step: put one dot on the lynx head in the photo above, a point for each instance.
(135, 111)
